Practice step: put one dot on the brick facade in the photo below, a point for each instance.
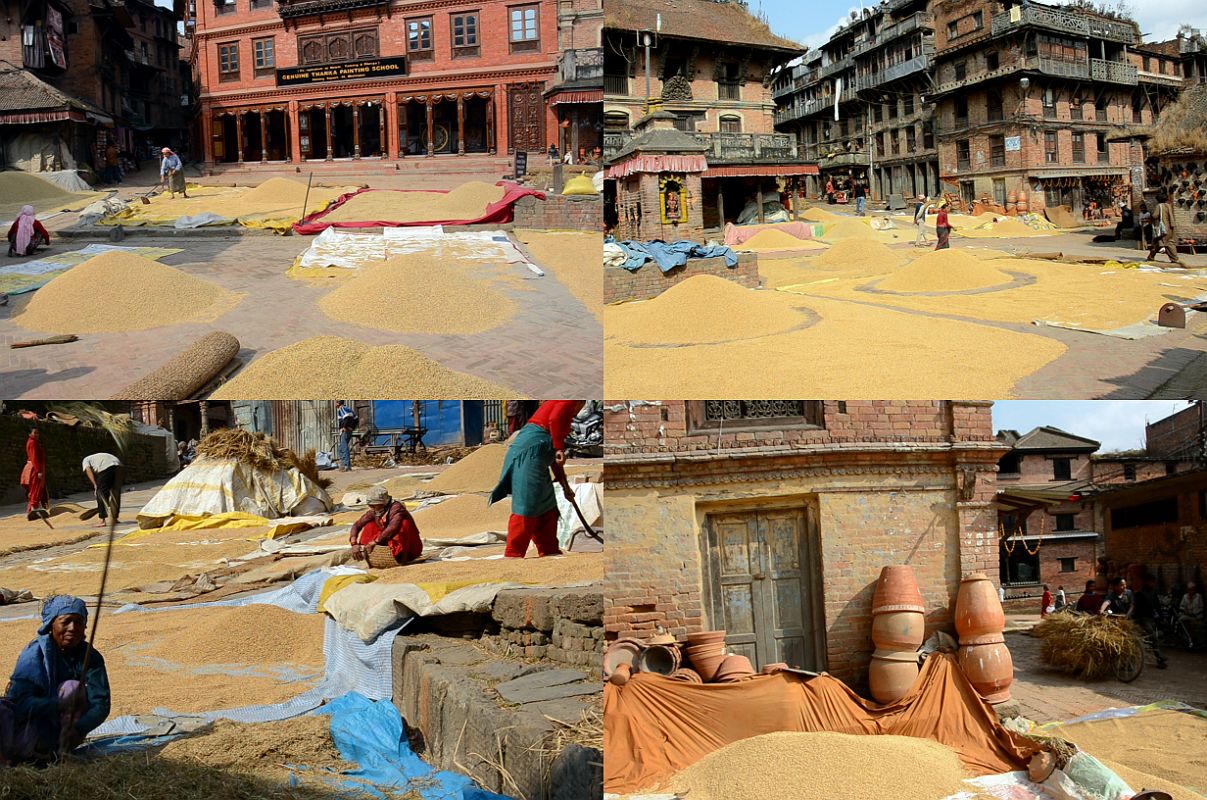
(888, 482)
(560, 212)
(649, 281)
(1161, 525)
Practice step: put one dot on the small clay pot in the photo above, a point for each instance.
(622, 651)
(1042, 765)
(734, 668)
(658, 658)
(686, 675)
(706, 637)
(620, 675)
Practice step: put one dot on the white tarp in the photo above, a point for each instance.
(589, 497)
(336, 247)
(209, 487)
(367, 609)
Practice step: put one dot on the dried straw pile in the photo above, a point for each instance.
(1183, 124)
(1085, 645)
(259, 451)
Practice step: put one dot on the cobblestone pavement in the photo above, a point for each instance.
(1046, 695)
(279, 311)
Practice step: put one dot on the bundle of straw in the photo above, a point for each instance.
(1087, 646)
(119, 426)
(259, 451)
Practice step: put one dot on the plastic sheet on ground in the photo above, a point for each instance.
(496, 213)
(589, 497)
(337, 248)
(369, 609)
(201, 220)
(212, 486)
(371, 735)
(735, 234)
(668, 255)
(31, 275)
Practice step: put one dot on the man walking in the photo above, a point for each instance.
(345, 420)
(104, 471)
(1164, 236)
(861, 199)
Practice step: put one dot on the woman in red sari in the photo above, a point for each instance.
(33, 477)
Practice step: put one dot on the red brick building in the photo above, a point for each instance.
(306, 80)
(772, 519)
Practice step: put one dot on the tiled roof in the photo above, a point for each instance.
(1049, 438)
(723, 21)
(21, 90)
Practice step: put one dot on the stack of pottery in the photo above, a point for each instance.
(706, 651)
(660, 658)
(734, 668)
(686, 675)
(898, 627)
(980, 621)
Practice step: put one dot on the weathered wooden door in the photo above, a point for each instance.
(526, 108)
(764, 590)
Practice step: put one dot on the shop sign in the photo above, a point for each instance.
(349, 71)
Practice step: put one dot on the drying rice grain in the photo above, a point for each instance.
(120, 291)
(1006, 228)
(574, 259)
(467, 201)
(22, 188)
(702, 309)
(862, 257)
(771, 239)
(283, 192)
(256, 635)
(330, 365)
(477, 472)
(1164, 743)
(463, 515)
(230, 745)
(820, 215)
(418, 293)
(1062, 217)
(849, 229)
(565, 570)
(803, 766)
(944, 271)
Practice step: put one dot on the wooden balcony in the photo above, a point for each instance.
(1067, 22)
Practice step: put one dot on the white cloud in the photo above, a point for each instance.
(1116, 424)
(1160, 20)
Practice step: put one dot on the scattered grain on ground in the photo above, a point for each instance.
(1166, 744)
(574, 259)
(1004, 228)
(280, 199)
(467, 201)
(796, 766)
(564, 570)
(770, 239)
(477, 472)
(463, 515)
(119, 291)
(944, 271)
(331, 364)
(254, 634)
(418, 293)
(302, 740)
(702, 309)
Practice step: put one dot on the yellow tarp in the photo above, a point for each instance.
(334, 584)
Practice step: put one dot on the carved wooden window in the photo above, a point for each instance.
(464, 34)
(348, 45)
(228, 61)
(264, 54)
(419, 38)
(710, 415)
(731, 124)
(525, 35)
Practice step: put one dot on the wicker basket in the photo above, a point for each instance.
(381, 557)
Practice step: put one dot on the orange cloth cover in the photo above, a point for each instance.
(654, 726)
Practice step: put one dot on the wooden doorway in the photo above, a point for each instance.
(764, 584)
(526, 110)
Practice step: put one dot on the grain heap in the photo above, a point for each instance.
(418, 293)
(21, 188)
(120, 291)
(803, 766)
(463, 515)
(566, 570)
(860, 256)
(282, 193)
(330, 365)
(820, 215)
(702, 309)
(1062, 217)
(944, 271)
(849, 229)
(468, 201)
(573, 258)
(477, 472)
(771, 239)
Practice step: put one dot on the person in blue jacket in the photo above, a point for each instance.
(51, 703)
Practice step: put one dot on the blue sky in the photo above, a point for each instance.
(811, 21)
(1118, 424)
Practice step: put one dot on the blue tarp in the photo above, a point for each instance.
(668, 255)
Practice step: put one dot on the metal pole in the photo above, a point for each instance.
(867, 137)
(306, 199)
(648, 93)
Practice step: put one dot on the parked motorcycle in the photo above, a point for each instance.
(586, 431)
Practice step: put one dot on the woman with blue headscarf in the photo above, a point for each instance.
(54, 699)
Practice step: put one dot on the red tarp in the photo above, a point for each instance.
(495, 213)
(758, 170)
(655, 727)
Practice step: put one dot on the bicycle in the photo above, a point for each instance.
(1130, 661)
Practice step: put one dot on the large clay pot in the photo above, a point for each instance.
(898, 630)
(891, 674)
(1023, 203)
(706, 661)
(990, 670)
(896, 590)
(734, 668)
(978, 611)
(662, 659)
(621, 651)
(706, 637)
(686, 675)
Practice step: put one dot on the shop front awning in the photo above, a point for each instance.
(658, 163)
(33, 117)
(573, 96)
(1087, 172)
(759, 170)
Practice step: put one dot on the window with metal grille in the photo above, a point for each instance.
(525, 34)
(264, 54)
(963, 154)
(1129, 472)
(465, 33)
(1078, 148)
(1068, 564)
(419, 35)
(228, 61)
(997, 151)
(730, 414)
(1066, 522)
(1051, 153)
(731, 124)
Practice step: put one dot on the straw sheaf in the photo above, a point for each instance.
(1086, 645)
(259, 451)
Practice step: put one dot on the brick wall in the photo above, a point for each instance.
(560, 212)
(650, 281)
(1038, 468)
(889, 483)
(1172, 435)
(638, 206)
(65, 448)
(562, 625)
(1174, 551)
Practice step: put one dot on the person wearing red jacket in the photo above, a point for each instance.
(387, 527)
(538, 450)
(25, 233)
(33, 476)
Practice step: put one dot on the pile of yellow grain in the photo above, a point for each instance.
(477, 472)
(120, 291)
(418, 293)
(574, 259)
(702, 309)
(772, 239)
(331, 365)
(253, 634)
(860, 256)
(944, 271)
(463, 515)
(849, 229)
(467, 201)
(1062, 217)
(804, 766)
(570, 569)
(282, 193)
(820, 215)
